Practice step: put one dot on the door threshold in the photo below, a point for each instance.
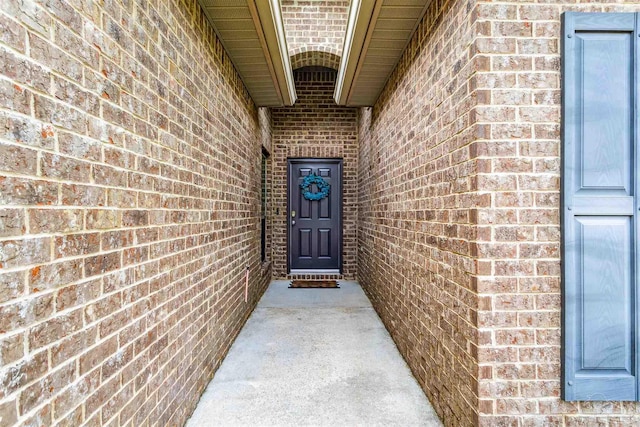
(312, 271)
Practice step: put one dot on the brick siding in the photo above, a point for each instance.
(314, 127)
(458, 231)
(315, 59)
(129, 184)
(416, 195)
(518, 235)
(315, 26)
(130, 205)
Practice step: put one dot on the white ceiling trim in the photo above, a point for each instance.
(360, 24)
(252, 32)
(378, 32)
(272, 27)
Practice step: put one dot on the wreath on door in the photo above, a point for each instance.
(323, 187)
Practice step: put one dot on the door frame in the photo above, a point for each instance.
(332, 160)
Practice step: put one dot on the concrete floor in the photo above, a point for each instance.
(313, 357)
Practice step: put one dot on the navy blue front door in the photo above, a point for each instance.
(315, 226)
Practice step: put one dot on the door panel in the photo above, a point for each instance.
(304, 242)
(315, 232)
(324, 243)
(605, 61)
(606, 291)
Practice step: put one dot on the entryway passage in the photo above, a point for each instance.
(313, 357)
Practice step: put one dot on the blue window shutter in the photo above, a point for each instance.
(599, 206)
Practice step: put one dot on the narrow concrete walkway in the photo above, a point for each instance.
(313, 357)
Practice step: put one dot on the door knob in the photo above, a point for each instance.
(293, 222)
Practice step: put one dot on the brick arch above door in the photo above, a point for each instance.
(315, 57)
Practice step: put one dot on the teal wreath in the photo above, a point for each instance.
(323, 187)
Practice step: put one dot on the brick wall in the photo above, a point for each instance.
(129, 193)
(129, 152)
(416, 187)
(458, 229)
(265, 132)
(518, 239)
(314, 127)
(315, 26)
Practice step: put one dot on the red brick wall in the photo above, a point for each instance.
(518, 238)
(314, 127)
(458, 229)
(129, 184)
(416, 195)
(265, 132)
(315, 26)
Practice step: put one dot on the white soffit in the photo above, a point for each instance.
(378, 32)
(252, 33)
